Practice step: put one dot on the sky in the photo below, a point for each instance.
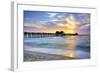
(50, 22)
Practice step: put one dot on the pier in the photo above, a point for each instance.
(33, 35)
(40, 35)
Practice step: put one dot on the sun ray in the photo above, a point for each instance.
(71, 26)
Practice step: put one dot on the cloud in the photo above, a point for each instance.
(71, 21)
(85, 26)
(84, 18)
(52, 14)
(42, 22)
(38, 26)
(60, 24)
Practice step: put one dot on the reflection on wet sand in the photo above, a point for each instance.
(71, 53)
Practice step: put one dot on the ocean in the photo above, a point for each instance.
(76, 47)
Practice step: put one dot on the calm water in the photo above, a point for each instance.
(77, 47)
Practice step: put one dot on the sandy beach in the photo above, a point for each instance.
(37, 56)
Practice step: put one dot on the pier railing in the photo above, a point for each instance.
(33, 35)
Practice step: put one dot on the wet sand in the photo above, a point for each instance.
(37, 56)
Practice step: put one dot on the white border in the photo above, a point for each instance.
(17, 48)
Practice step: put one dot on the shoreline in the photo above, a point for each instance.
(37, 56)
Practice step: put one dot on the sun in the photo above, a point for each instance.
(71, 26)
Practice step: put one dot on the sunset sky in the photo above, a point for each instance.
(50, 22)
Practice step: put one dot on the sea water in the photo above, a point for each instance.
(77, 47)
